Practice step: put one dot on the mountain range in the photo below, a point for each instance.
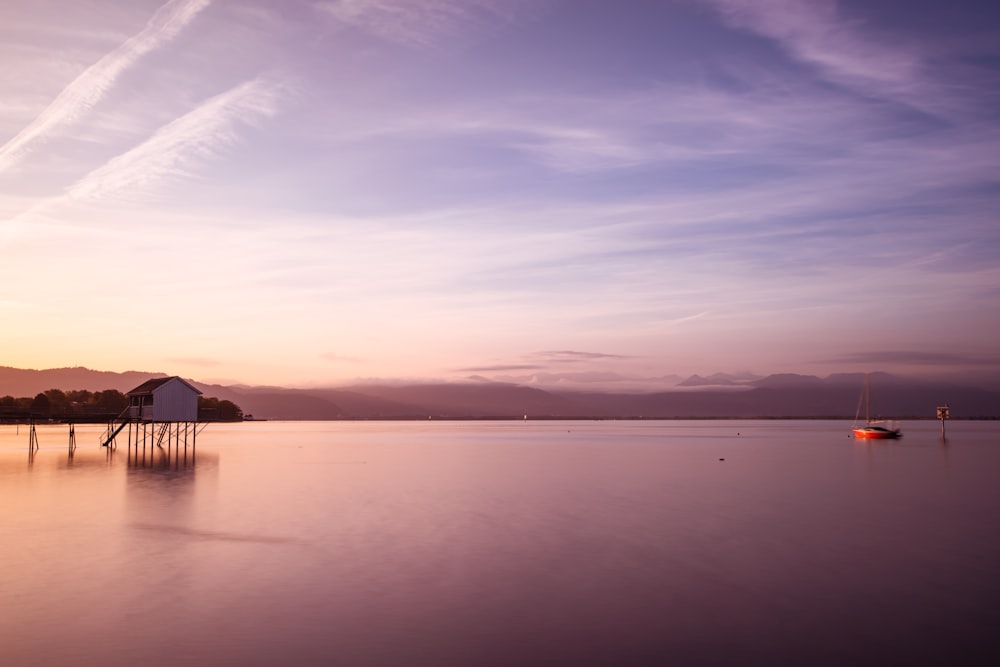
(719, 396)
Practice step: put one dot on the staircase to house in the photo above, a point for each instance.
(115, 427)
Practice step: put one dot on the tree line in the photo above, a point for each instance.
(83, 405)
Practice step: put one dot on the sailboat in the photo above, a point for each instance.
(877, 429)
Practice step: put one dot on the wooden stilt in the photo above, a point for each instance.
(32, 438)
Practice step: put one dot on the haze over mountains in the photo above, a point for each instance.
(717, 396)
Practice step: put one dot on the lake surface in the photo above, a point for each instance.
(504, 543)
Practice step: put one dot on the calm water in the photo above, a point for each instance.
(504, 543)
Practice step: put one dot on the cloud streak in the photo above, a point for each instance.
(196, 135)
(87, 89)
(500, 367)
(415, 22)
(573, 356)
(844, 49)
(171, 152)
(918, 358)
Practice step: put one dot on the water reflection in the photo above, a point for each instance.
(172, 456)
(175, 453)
(169, 445)
(86, 459)
(221, 535)
(498, 544)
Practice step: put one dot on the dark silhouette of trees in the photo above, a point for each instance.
(10, 405)
(80, 403)
(41, 405)
(83, 405)
(109, 400)
(213, 409)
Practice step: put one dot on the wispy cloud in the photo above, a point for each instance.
(174, 151)
(690, 318)
(192, 137)
(679, 124)
(499, 367)
(918, 358)
(537, 361)
(87, 89)
(416, 22)
(573, 356)
(842, 47)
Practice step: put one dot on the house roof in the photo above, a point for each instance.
(149, 386)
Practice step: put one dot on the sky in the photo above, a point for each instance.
(579, 193)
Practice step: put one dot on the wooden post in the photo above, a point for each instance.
(943, 414)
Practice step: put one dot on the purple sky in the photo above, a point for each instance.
(599, 193)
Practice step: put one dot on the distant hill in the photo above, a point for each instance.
(473, 400)
(774, 396)
(19, 382)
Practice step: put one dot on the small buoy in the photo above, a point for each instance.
(722, 459)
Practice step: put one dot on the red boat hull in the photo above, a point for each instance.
(876, 434)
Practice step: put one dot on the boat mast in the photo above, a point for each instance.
(868, 387)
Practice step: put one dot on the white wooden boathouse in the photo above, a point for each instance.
(162, 413)
(169, 399)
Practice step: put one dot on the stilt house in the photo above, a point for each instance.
(169, 399)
